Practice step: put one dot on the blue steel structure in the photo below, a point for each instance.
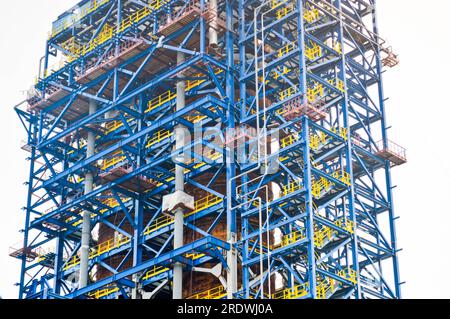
(308, 197)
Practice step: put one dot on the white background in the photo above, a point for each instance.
(418, 111)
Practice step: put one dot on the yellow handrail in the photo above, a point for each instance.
(103, 292)
(159, 137)
(214, 293)
(116, 158)
(292, 293)
(200, 205)
(156, 270)
(99, 250)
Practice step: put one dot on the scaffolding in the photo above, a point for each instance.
(283, 101)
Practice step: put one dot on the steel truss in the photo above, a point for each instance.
(308, 197)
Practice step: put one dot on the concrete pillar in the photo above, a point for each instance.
(213, 37)
(88, 187)
(177, 288)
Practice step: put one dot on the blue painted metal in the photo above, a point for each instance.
(301, 192)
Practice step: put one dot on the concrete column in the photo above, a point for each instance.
(213, 37)
(88, 187)
(179, 186)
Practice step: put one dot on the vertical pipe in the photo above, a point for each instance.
(179, 186)
(213, 37)
(232, 276)
(88, 186)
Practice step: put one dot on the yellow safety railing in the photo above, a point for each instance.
(289, 140)
(341, 131)
(315, 140)
(277, 3)
(349, 274)
(323, 235)
(159, 137)
(290, 239)
(103, 292)
(171, 95)
(319, 186)
(313, 52)
(206, 202)
(160, 100)
(212, 155)
(154, 272)
(291, 188)
(114, 125)
(343, 176)
(99, 250)
(346, 224)
(286, 49)
(311, 15)
(285, 11)
(315, 92)
(116, 158)
(326, 288)
(338, 84)
(66, 23)
(108, 32)
(199, 205)
(194, 256)
(113, 203)
(280, 71)
(292, 293)
(214, 293)
(287, 93)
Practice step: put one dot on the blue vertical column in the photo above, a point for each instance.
(32, 142)
(387, 165)
(309, 208)
(348, 151)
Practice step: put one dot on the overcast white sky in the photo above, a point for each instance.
(417, 110)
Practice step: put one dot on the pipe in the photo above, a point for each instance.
(213, 37)
(88, 187)
(177, 289)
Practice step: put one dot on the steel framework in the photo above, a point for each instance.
(286, 106)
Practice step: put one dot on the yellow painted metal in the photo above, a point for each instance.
(154, 272)
(291, 188)
(323, 235)
(286, 49)
(311, 15)
(103, 292)
(171, 95)
(343, 176)
(315, 92)
(200, 205)
(292, 293)
(337, 83)
(85, 10)
(314, 51)
(159, 137)
(325, 288)
(214, 293)
(114, 159)
(349, 274)
(99, 250)
(341, 131)
(346, 224)
(285, 11)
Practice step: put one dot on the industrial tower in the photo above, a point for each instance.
(210, 149)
